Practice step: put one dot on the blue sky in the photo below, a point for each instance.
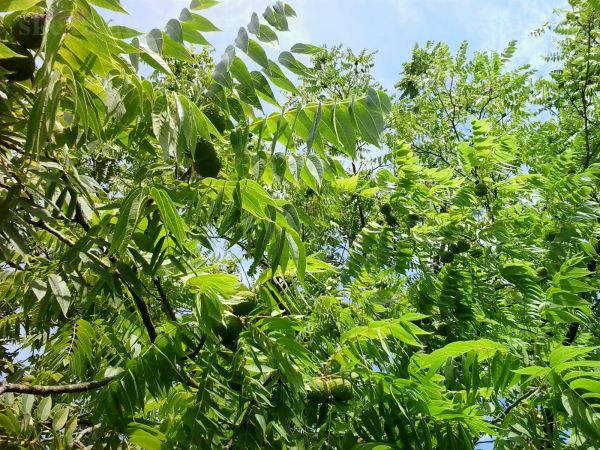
(392, 27)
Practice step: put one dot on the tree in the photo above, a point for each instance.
(184, 268)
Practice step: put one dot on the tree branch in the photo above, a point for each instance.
(165, 300)
(142, 308)
(57, 234)
(50, 390)
(513, 405)
(139, 302)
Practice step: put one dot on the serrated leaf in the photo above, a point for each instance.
(61, 292)
(171, 219)
(129, 216)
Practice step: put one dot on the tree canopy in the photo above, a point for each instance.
(248, 253)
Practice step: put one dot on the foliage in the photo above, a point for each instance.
(201, 253)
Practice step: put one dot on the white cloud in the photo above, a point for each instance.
(407, 11)
(389, 26)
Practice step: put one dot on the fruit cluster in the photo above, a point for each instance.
(461, 246)
(233, 324)
(321, 390)
(27, 31)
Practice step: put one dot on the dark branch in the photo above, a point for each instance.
(143, 310)
(513, 405)
(139, 302)
(571, 333)
(164, 300)
(57, 234)
(50, 390)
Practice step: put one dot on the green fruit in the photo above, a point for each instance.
(216, 116)
(206, 160)
(230, 330)
(442, 330)
(476, 252)
(236, 382)
(391, 220)
(341, 389)
(245, 307)
(447, 257)
(413, 218)
(481, 189)
(591, 265)
(318, 391)
(386, 209)
(463, 246)
(27, 379)
(542, 272)
(21, 68)
(28, 29)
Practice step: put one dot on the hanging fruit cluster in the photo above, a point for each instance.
(21, 34)
(321, 390)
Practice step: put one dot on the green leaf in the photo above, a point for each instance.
(112, 5)
(6, 52)
(16, 5)
(61, 292)
(278, 78)
(171, 218)
(129, 216)
(297, 253)
(312, 134)
(267, 35)
(584, 418)
(344, 129)
(58, 17)
(257, 53)
(27, 403)
(276, 18)
(10, 423)
(314, 168)
(59, 417)
(305, 49)
(122, 32)
(43, 115)
(174, 31)
(197, 21)
(564, 353)
(483, 348)
(225, 285)
(370, 122)
(381, 329)
(263, 88)
(175, 49)
(145, 436)
(43, 409)
(533, 372)
(202, 4)
(192, 35)
(287, 60)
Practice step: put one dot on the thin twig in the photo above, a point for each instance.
(513, 405)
